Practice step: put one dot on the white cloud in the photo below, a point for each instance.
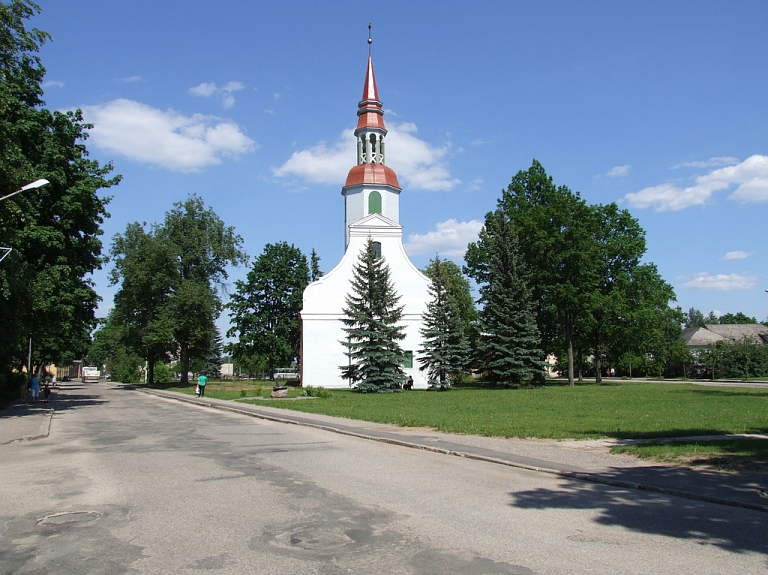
(449, 239)
(475, 185)
(132, 79)
(418, 164)
(716, 162)
(721, 282)
(276, 96)
(751, 177)
(52, 84)
(737, 255)
(207, 89)
(618, 172)
(164, 138)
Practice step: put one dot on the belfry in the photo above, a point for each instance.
(371, 209)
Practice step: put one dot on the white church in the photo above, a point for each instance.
(371, 209)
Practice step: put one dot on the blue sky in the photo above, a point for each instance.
(659, 106)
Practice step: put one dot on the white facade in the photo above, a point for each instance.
(372, 209)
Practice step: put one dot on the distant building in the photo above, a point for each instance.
(372, 210)
(227, 370)
(699, 338)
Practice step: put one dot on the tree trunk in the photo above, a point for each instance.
(150, 370)
(569, 344)
(184, 364)
(580, 353)
(598, 364)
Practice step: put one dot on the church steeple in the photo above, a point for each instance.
(371, 186)
(370, 129)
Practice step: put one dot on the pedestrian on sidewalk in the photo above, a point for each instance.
(47, 391)
(201, 381)
(34, 387)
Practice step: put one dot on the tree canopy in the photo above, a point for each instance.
(54, 231)
(265, 307)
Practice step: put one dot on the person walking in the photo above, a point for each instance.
(47, 391)
(34, 387)
(201, 381)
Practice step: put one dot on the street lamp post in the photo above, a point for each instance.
(34, 185)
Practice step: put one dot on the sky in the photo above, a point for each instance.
(659, 106)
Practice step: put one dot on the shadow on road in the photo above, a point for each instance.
(733, 529)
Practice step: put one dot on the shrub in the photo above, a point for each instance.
(319, 391)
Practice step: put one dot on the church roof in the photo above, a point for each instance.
(377, 174)
(370, 114)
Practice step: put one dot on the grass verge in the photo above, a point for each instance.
(737, 455)
(233, 389)
(622, 410)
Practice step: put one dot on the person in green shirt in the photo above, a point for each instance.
(201, 381)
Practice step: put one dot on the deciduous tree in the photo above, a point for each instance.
(201, 248)
(265, 307)
(45, 290)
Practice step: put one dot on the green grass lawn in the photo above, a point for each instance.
(233, 389)
(621, 410)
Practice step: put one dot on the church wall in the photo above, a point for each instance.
(323, 300)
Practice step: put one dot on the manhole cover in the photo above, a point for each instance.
(311, 539)
(69, 518)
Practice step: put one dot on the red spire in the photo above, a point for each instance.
(370, 112)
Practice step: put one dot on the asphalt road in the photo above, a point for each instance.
(132, 483)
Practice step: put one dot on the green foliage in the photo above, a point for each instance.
(558, 250)
(265, 308)
(371, 316)
(201, 247)
(511, 341)
(315, 273)
(54, 231)
(694, 318)
(319, 391)
(591, 295)
(460, 293)
(109, 350)
(744, 358)
(163, 372)
(729, 318)
(446, 351)
(144, 270)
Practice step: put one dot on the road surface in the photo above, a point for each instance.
(131, 483)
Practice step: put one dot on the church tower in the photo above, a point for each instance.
(371, 210)
(371, 186)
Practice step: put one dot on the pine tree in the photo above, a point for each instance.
(511, 346)
(446, 350)
(372, 313)
(314, 270)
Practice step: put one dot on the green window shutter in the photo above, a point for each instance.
(374, 203)
(408, 360)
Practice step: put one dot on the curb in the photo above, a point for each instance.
(592, 478)
(45, 428)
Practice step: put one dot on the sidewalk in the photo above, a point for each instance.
(568, 459)
(25, 421)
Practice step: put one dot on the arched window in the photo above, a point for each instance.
(374, 203)
(377, 249)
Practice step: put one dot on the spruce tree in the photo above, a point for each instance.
(372, 313)
(511, 346)
(446, 350)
